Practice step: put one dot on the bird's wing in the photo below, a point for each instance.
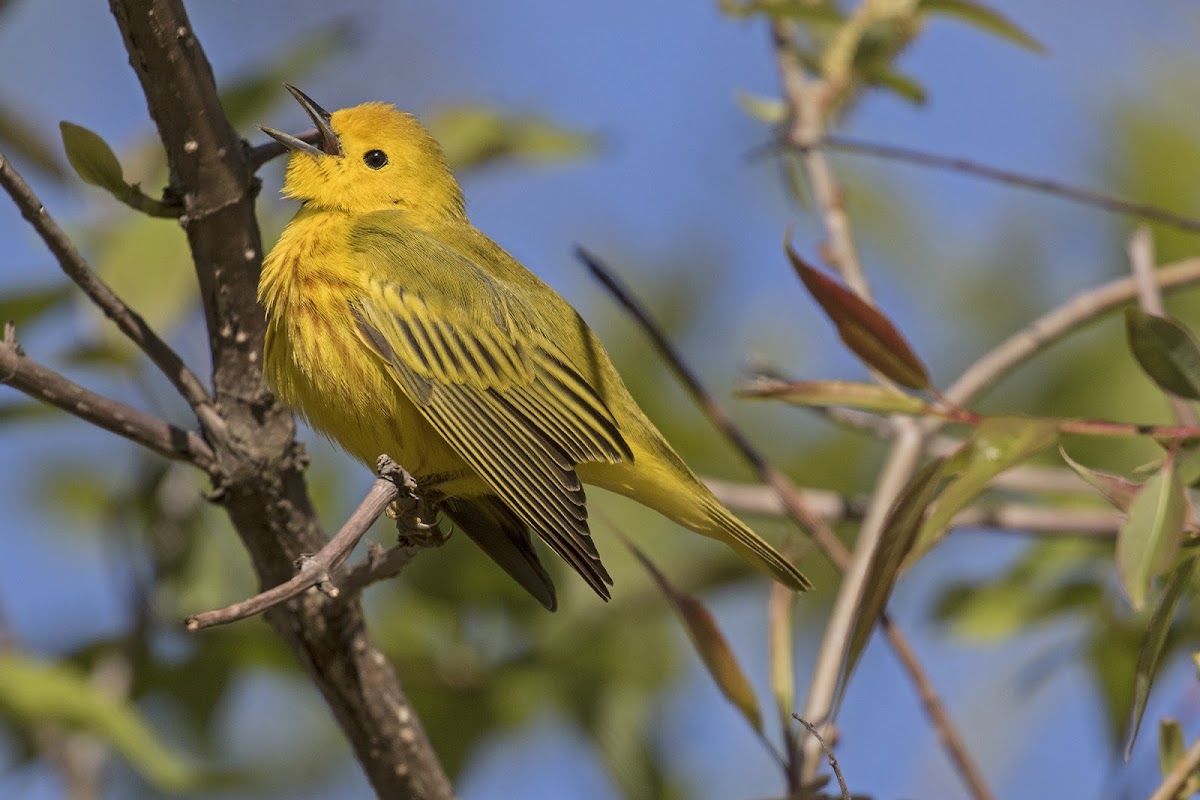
(467, 351)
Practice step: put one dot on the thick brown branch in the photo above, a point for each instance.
(42, 383)
(128, 320)
(262, 487)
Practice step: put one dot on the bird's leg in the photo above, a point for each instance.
(416, 521)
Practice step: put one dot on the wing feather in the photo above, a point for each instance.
(464, 348)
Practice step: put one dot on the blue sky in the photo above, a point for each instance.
(658, 81)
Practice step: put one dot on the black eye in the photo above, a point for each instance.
(375, 159)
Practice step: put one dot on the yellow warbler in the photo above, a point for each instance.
(395, 326)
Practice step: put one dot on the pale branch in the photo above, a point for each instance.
(821, 532)
(1055, 325)
(1007, 517)
(127, 320)
(1086, 197)
(1145, 277)
(1174, 781)
(261, 466)
(806, 101)
(42, 383)
(318, 570)
(379, 565)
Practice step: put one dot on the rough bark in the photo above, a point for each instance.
(259, 465)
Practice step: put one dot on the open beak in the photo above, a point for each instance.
(330, 144)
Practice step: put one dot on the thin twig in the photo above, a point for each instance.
(42, 383)
(805, 101)
(1010, 517)
(128, 320)
(1086, 197)
(1054, 325)
(1177, 778)
(318, 569)
(821, 533)
(1145, 275)
(833, 762)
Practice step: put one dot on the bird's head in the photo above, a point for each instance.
(371, 157)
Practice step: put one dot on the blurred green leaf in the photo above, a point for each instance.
(25, 410)
(806, 10)
(92, 158)
(21, 306)
(1166, 350)
(848, 394)
(984, 18)
(34, 691)
(899, 532)
(1150, 653)
(475, 135)
(770, 110)
(997, 444)
(863, 328)
(21, 140)
(1150, 538)
(781, 611)
(1170, 744)
(709, 642)
(889, 78)
(247, 98)
(1116, 489)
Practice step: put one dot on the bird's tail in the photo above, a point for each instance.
(750, 546)
(502, 535)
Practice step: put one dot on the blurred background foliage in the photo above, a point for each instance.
(606, 700)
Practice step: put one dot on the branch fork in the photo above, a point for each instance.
(394, 486)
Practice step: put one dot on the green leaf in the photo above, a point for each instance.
(93, 159)
(20, 306)
(889, 78)
(248, 97)
(1150, 539)
(709, 642)
(983, 18)
(804, 10)
(1116, 489)
(1170, 745)
(781, 612)
(861, 326)
(849, 394)
(19, 139)
(899, 532)
(25, 411)
(1150, 653)
(475, 135)
(1166, 350)
(998, 443)
(770, 110)
(33, 691)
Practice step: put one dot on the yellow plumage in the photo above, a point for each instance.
(394, 326)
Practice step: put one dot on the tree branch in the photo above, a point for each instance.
(42, 383)
(791, 499)
(128, 321)
(1085, 197)
(262, 487)
(1017, 518)
(318, 570)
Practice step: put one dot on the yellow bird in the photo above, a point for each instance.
(395, 326)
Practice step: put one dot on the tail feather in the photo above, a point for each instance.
(754, 548)
(502, 535)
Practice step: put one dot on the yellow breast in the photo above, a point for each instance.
(316, 360)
